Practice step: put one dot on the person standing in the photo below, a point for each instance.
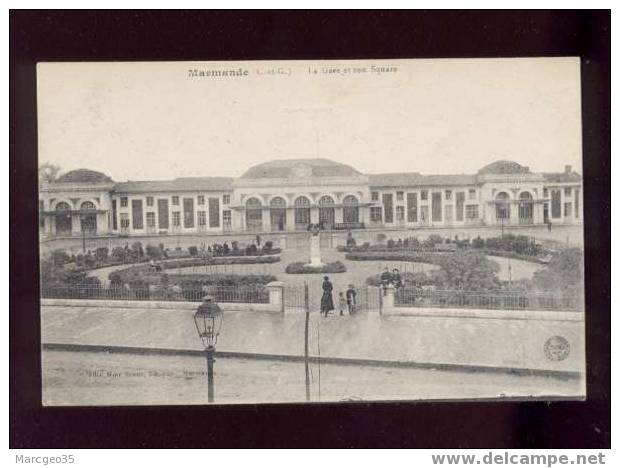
(342, 303)
(386, 278)
(327, 301)
(351, 299)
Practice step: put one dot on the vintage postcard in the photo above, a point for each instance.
(310, 231)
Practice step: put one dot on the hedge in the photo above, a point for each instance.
(303, 268)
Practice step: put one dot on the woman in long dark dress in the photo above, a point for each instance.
(327, 301)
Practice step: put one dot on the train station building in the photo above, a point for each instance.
(295, 194)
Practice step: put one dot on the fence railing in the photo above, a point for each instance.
(239, 294)
(505, 300)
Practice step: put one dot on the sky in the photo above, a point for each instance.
(152, 120)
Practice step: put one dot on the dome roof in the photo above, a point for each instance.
(83, 176)
(504, 167)
(299, 168)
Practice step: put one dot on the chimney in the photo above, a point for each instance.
(568, 169)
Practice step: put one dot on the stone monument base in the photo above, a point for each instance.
(315, 252)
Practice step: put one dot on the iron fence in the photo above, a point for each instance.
(255, 294)
(294, 298)
(505, 300)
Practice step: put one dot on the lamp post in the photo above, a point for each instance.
(208, 320)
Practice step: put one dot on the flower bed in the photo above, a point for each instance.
(404, 256)
(298, 268)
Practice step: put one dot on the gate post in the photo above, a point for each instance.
(306, 298)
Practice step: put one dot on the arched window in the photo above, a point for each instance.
(277, 214)
(253, 214)
(327, 213)
(87, 205)
(253, 203)
(526, 208)
(350, 212)
(502, 206)
(302, 213)
(63, 219)
(278, 202)
(63, 206)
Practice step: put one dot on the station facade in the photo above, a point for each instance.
(295, 194)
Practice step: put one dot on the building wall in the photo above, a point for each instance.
(126, 209)
(478, 204)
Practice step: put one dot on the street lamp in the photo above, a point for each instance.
(208, 320)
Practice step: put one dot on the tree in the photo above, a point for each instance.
(469, 271)
(563, 273)
(48, 173)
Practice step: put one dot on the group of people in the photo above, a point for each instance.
(347, 300)
(391, 277)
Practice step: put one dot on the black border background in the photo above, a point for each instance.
(225, 35)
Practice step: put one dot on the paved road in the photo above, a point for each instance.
(71, 378)
(430, 339)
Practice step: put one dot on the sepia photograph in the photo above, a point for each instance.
(316, 231)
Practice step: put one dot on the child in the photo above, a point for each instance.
(342, 302)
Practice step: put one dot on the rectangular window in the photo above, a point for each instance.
(556, 203)
(436, 206)
(460, 204)
(376, 214)
(150, 219)
(399, 196)
(412, 207)
(424, 195)
(175, 201)
(188, 212)
(149, 201)
(374, 196)
(226, 199)
(545, 193)
(114, 215)
(567, 191)
(227, 218)
(576, 203)
(472, 193)
(201, 199)
(214, 212)
(137, 216)
(448, 194)
(123, 202)
(202, 218)
(388, 207)
(471, 212)
(568, 208)
(124, 221)
(162, 213)
(176, 218)
(400, 213)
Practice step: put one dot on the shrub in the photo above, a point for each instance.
(391, 244)
(477, 243)
(563, 273)
(381, 237)
(119, 254)
(193, 250)
(432, 240)
(304, 268)
(153, 253)
(101, 254)
(137, 251)
(268, 246)
(59, 258)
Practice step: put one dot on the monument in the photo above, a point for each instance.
(315, 247)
